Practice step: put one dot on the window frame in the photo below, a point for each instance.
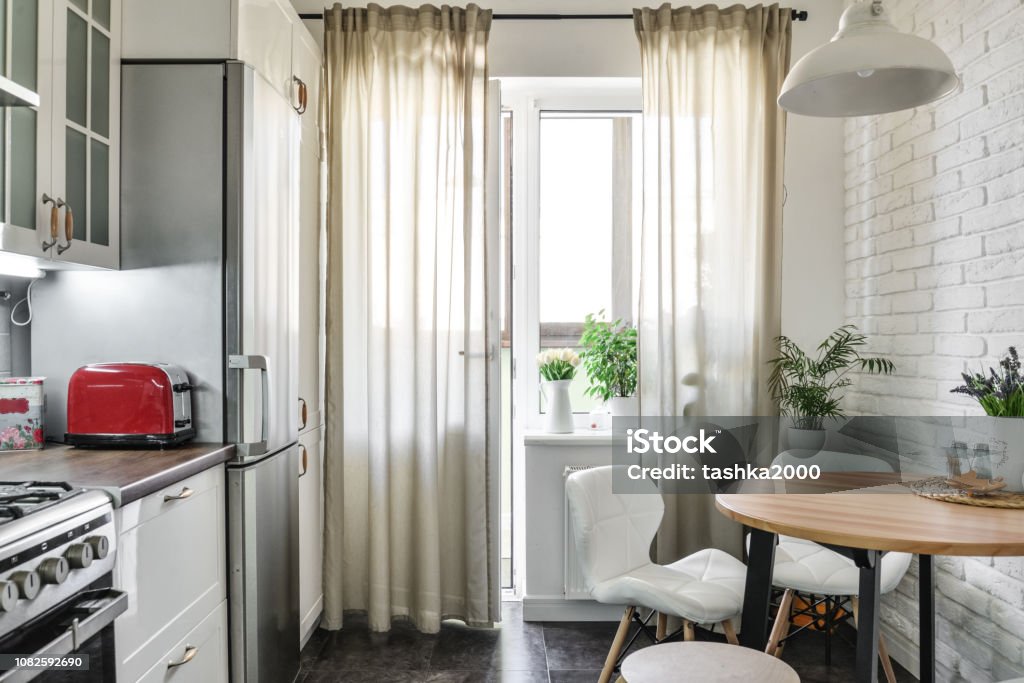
(527, 99)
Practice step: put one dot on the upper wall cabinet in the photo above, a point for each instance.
(257, 32)
(60, 172)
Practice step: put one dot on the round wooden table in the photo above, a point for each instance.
(863, 525)
(700, 662)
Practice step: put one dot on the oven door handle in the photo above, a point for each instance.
(108, 607)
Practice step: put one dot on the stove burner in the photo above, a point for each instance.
(18, 499)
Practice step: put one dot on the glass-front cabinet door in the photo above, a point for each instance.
(25, 58)
(85, 129)
(59, 176)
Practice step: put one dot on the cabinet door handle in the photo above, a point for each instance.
(54, 219)
(305, 461)
(186, 492)
(303, 95)
(303, 413)
(69, 229)
(190, 653)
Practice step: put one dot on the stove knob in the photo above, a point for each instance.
(8, 596)
(79, 555)
(53, 570)
(28, 584)
(100, 546)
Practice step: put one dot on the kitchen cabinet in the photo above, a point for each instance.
(60, 160)
(309, 221)
(199, 657)
(311, 532)
(171, 562)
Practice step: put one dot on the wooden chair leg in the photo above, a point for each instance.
(883, 651)
(662, 626)
(620, 638)
(780, 629)
(688, 634)
(730, 632)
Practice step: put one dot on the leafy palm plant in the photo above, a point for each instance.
(609, 356)
(806, 388)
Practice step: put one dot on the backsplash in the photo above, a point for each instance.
(934, 234)
(14, 341)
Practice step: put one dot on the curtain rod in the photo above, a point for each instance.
(796, 14)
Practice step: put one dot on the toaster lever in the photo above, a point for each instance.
(181, 388)
(183, 423)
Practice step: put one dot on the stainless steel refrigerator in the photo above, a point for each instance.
(209, 282)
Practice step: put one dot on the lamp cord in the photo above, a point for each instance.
(28, 304)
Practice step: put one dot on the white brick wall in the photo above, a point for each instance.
(934, 235)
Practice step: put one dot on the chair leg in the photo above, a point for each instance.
(780, 629)
(620, 638)
(662, 626)
(730, 632)
(688, 634)
(883, 651)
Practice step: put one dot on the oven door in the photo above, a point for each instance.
(80, 631)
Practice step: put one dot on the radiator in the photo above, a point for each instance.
(575, 587)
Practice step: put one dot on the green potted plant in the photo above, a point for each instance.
(1000, 394)
(609, 356)
(807, 389)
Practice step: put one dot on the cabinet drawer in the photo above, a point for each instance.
(205, 648)
(171, 562)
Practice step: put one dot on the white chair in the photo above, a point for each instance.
(803, 566)
(613, 534)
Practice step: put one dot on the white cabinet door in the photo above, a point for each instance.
(85, 130)
(171, 562)
(26, 131)
(199, 657)
(311, 530)
(264, 40)
(308, 216)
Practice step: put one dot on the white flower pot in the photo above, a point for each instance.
(624, 406)
(558, 415)
(806, 439)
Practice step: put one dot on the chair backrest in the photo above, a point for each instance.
(613, 532)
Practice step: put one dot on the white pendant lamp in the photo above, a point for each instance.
(868, 68)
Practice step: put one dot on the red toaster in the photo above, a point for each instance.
(129, 404)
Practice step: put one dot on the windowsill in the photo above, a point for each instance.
(580, 437)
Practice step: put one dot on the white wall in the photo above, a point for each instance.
(935, 273)
(812, 295)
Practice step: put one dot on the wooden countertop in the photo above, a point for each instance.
(882, 521)
(125, 474)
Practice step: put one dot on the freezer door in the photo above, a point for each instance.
(263, 552)
(261, 268)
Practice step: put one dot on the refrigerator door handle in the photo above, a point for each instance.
(256, 362)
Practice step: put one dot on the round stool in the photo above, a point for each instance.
(698, 661)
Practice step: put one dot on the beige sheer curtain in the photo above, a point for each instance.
(711, 244)
(406, 528)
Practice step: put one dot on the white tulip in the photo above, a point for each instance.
(565, 355)
(541, 358)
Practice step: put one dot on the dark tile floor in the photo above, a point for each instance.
(517, 652)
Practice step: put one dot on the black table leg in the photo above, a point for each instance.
(926, 598)
(867, 616)
(757, 596)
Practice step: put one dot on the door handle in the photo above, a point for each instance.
(69, 229)
(305, 461)
(261, 363)
(190, 653)
(303, 413)
(303, 95)
(186, 492)
(56, 203)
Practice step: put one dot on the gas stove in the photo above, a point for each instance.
(56, 542)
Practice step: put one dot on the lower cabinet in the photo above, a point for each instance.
(171, 560)
(311, 534)
(199, 657)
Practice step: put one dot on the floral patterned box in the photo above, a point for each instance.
(22, 402)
